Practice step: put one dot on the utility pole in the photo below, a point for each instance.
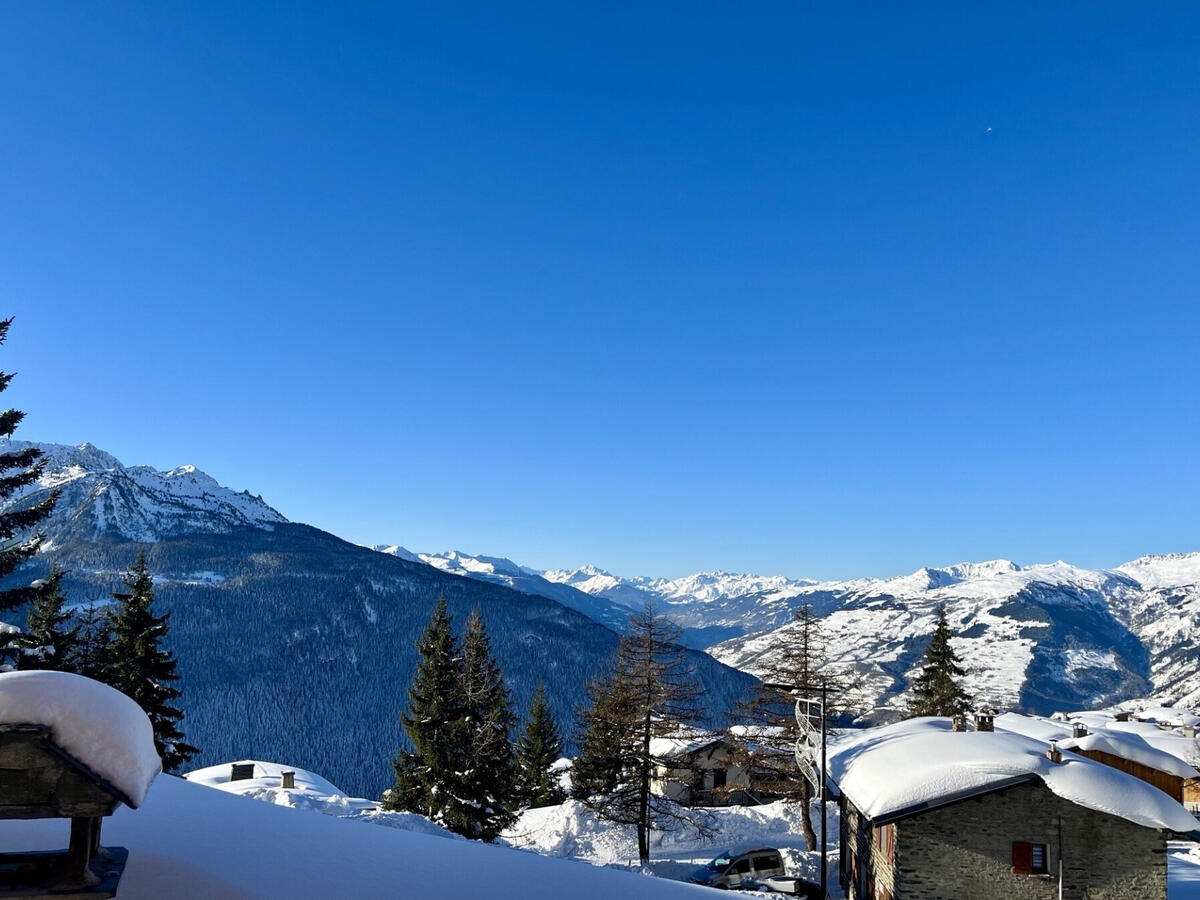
(806, 749)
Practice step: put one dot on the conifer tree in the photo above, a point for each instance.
(428, 778)
(488, 784)
(90, 654)
(49, 642)
(538, 748)
(652, 693)
(936, 691)
(606, 737)
(19, 469)
(142, 669)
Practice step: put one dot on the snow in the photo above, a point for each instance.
(312, 793)
(573, 831)
(894, 768)
(1133, 748)
(96, 724)
(686, 741)
(189, 842)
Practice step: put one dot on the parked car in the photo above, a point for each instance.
(740, 869)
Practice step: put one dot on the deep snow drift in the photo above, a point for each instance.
(189, 842)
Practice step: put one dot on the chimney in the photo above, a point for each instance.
(288, 780)
(985, 719)
(1078, 729)
(1054, 754)
(959, 722)
(242, 772)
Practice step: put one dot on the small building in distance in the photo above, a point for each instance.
(928, 813)
(696, 768)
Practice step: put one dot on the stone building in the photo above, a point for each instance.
(696, 769)
(928, 813)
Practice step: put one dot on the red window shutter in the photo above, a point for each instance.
(1022, 858)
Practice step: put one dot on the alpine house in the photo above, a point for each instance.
(930, 812)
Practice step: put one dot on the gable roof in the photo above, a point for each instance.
(896, 771)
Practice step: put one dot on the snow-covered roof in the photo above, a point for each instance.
(901, 769)
(682, 743)
(1167, 715)
(1035, 727)
(266, 775)
(97, 725)
(1133, 748)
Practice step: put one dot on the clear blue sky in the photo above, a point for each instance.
(820, 289)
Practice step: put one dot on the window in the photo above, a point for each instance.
(1029, 859)
(742, 867)
(885, 842)
(766, 863)
(718, 778)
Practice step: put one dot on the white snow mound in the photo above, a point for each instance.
(98, 725)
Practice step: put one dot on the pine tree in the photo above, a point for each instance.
(90, 656)
(428, 778)
(19, 469)
(605, 728)
(538, 748)
(488, 784)
(797, 665)
(936, 691)
(651, 693)
(140, 668)
(49, 642)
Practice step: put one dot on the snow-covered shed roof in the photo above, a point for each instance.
(1132, 747)
(97, 725)
(899, 770)
(266, 775)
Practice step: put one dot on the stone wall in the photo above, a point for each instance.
(965, 850)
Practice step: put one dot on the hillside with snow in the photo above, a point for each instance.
(293, 643)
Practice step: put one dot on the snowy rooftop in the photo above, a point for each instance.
(685, 741)
(900, 769)
(98, 725)
(1107, 736)
(266, 775)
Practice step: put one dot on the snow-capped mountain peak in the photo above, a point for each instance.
(102, 496)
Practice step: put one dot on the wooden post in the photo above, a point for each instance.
(85, 834)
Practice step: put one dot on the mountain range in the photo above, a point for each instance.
(1039, 638)
(293, 643)
(297, 645)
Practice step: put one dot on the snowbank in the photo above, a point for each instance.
(571, 830)
(919, 762)
(96, 724)
(189, 842)
(312, 793)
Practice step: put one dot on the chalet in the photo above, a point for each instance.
(929, 812)
(695, 768)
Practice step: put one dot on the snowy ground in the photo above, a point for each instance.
(189, 842)
(572, 831)
(1183, 872)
